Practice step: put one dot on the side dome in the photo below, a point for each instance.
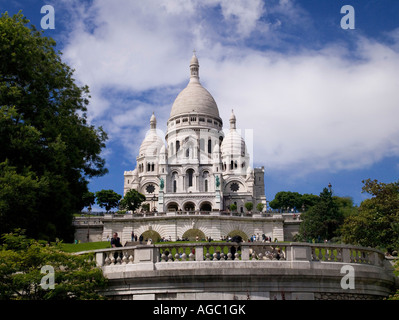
(233, 144)
(194, 98)
(152, 143)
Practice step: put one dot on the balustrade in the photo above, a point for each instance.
(267, 252)
(231, 251)
(326, 253)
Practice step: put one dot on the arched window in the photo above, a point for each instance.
(174, 179)
(209, 146)
(187, 152)
(152, 167)
(206, 185)
(190, 173)
(177, 146)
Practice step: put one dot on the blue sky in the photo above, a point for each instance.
(321, 103)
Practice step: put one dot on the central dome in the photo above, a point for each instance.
(194, 98)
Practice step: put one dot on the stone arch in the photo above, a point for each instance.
(189, 206)
(172, 206)
(177, 170)
(207, 170)
(240, 233)
(205, 206)
(233, 228)
(192, 234)
(151, 234)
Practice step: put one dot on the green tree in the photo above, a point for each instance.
(132, 200)
(395, 296)
(233, 207)
(19, 192)
(108, 199)
(44, 134)
(322, 220)
(249, 206)
(89, 198)
(308, 201)
(376, 222)
(285, 200)
(260, 206)
(345, 205)
(76, 277)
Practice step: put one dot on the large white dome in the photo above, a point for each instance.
(194, 98)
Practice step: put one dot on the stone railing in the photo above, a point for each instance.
(97, 219)
(229, 251)
(250, 270)
(194, 213)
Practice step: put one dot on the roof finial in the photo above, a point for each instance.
(153, 121)
(194, 68)
(232, 120)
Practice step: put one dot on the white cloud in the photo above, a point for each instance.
(329, 109)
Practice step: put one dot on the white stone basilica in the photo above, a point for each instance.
(196, 167)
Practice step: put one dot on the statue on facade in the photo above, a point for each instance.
(161, 185)
(217, 182)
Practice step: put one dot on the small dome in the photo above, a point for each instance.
(152, 144)
(233, 144)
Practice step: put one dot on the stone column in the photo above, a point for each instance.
(160, 206)
(145, 257)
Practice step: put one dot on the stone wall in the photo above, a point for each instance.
(214, 224)
(267, 271)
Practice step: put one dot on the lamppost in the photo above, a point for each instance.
(88, 225)
(153, 199)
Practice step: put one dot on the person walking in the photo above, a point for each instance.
(116, 243)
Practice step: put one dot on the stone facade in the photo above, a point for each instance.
(174, 225)
(195, 167)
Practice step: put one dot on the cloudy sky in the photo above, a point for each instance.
(318, 103)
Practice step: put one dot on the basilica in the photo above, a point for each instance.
(195, 167)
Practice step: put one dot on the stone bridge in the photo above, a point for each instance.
(250, 270)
